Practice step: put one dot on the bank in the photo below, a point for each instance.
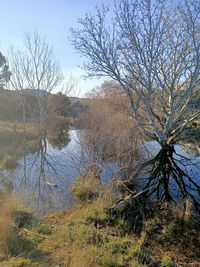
(88, 235)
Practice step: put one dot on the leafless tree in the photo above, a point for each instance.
(152, 50)
(36, 69)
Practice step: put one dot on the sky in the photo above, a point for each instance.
(52, 19)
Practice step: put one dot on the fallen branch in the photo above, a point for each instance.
(30, 232)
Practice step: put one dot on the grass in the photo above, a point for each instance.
(81, 241)
(86, 236)
(172, 236)
(17, 248)
(86, 188)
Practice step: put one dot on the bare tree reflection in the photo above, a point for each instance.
(40, 177)
(169, 176)
(45, 174)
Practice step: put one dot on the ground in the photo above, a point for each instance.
(87, 236)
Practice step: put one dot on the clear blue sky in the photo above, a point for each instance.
(52, 19)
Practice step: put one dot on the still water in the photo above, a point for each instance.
(43, 177)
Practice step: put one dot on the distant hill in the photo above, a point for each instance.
(11, 109)
(73, 99)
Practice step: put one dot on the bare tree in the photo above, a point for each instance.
(152, 50)
(36, 69)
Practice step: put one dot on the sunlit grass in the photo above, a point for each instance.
(17, 247)
(8, 204)
(88, 236)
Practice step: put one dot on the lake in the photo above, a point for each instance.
(43, 178)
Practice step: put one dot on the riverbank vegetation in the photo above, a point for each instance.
(87, 235)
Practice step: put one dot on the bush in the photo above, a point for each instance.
(86, 188)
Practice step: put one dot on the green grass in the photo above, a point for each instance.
(86, 188)
(86, 236)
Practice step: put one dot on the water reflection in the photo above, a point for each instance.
(42, 170)
(60, 141)
(39, 175)
(192, 149)
(170, 174)
(46, 171)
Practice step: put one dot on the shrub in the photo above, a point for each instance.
(86, 188)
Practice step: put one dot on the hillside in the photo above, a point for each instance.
(11, 104)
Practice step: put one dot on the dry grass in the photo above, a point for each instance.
(17, 247)
(17, 128)
(87, 236)
(172, 235)
(5, 225)
(8, 205)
